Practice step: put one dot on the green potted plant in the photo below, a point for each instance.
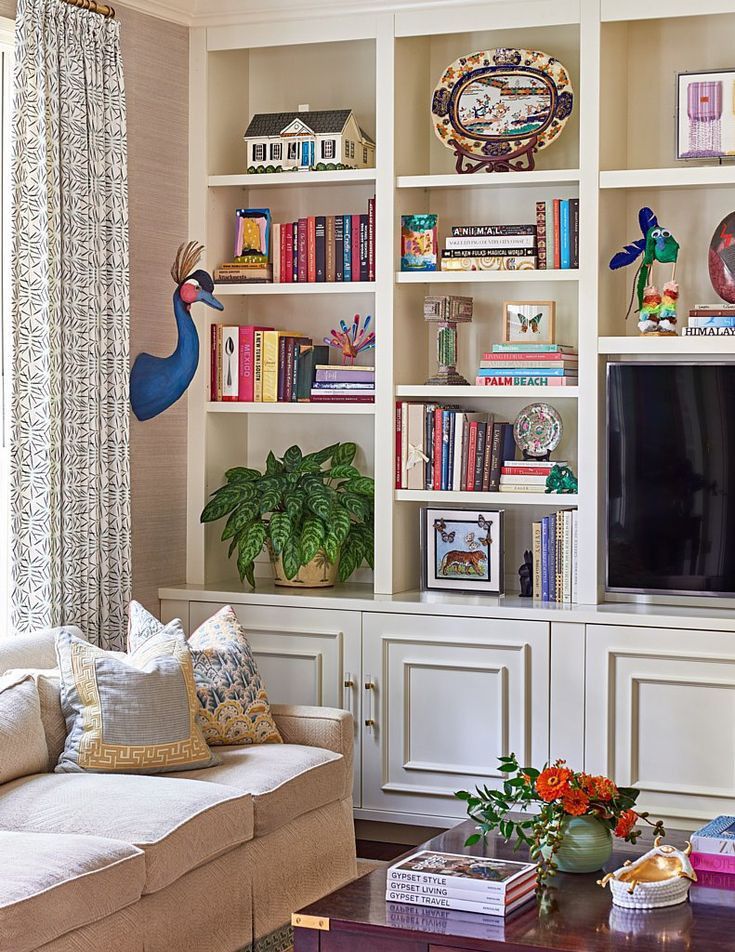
(313, 513)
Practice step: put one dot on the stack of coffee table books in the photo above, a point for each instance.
(492, 887)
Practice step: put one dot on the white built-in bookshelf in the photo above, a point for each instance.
(615, 154)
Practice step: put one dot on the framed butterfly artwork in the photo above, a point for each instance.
(462, 550)
(529, 322)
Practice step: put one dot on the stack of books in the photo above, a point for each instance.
(528, 365)
(450, 448)
(343, 384)
(711, 320)
(557, 228)
(713, 848)
(555, 556)
(490, 248)
(253, 364)
(251, 260)
(325, 248)
(493, 887)
(526, 476)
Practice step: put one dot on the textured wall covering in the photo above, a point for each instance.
(7, 8)
(156, 63)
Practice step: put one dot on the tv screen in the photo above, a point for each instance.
(671, 478)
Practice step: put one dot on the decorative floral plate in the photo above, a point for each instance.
(496, 107)
(537, 430)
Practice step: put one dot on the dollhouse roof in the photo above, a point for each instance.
(321, 122)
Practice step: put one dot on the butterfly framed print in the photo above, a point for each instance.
(529, 322)
(462, 550)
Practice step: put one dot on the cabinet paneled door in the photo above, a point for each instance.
(661, 716)
(305, 656)
(443, 698)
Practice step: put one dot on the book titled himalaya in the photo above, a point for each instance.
(465, 883)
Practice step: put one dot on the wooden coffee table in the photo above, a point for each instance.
(575, 914)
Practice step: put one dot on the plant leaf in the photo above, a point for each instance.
(340, 524)
(290, 558)
(344, 453)
(273, 467)
(221, 503)
(280, 531)
(294, 503)
(321, 456)
(350, 557)
(270, 500)
(241, 474)
(320, 503)
(364, 485)
(292, 457)
(251, 543)
(343, 471)
(312, 536)
(240, 517)
(331, 547)
(359, 506)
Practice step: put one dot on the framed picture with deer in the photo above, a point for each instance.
(529, 322)
(462, 550)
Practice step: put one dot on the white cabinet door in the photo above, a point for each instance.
(661, 716)
(449, 696)
(305, 656)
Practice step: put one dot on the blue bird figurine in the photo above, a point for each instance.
(156, 383)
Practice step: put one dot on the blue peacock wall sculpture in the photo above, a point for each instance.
(156, 383)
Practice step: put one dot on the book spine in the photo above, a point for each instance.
(331, 263)
(536, 549)
(355, 251)
(462, 905)
(479, 456)
(340, 376)
(295, 361)
(489, 262)
(557, 234)
(341, 398)
(288, 386)
(295, 256)
(508, 444)
(711, 844)
(282, 342)
(450, 448)
(528, 349)
(564, 235)
(270, 366)
(339, 248)
(566, 593)
(258, 367)
(486, 458)
(446, 426)
(465, 451)
(509, 252)
(399, 431)
(347, 246)
(437, 474)
(708, 331)
(284, 270)
(522, 471)
(545, 559)
(276, 253)
(495, 460)
(213, 364)
(713, 862)
(575, 554)
(287, 263)
(514, 371)
(491, 242)
(230, 353)
(475, 231)
(245, 366)
(541, 233)
(458, 451)
(311, 249)
(511, 357)
(552, 557)
(320, 240)
(302, 250)
(539, 365)
(505, 380)
(574, 229)
(727, 321)
(469, 483)
(364, 260)
(429, 446)
(371, 239)
(450, 888)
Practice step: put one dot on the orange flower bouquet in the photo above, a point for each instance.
(547, 801)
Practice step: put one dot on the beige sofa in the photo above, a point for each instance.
(211, 860)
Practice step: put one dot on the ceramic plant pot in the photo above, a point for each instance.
(318, 573)
(586, 845)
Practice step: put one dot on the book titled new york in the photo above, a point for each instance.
(246, 367)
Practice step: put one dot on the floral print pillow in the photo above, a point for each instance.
(234, 703)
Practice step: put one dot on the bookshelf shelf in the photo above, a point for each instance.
(477, 499)
(682, 347)
(485, 277)
(481, 180)
(428, 392)
(336, 287)
(300, 179)
(685, 176)
(340, 409)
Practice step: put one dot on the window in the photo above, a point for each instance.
(328, 149)
(276, 150)
(364, 155)
(258, 152)
(293, 151)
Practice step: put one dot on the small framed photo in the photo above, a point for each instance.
(419, 242)
(529, 322)
(705, 114)
(462, 550)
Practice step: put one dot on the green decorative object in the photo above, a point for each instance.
(561, 479)
(446, 311)
(314, 510)
(585, 847)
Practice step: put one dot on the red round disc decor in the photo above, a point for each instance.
(722, 259)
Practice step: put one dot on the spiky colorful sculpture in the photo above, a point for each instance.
(657, 308)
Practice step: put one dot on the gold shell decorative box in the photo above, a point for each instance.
(661, 877)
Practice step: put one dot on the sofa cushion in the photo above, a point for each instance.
(52, 884)
(177, 823)
(48, 685)
(285, 781)
(23, 749)
(34, 650)
(130, 714)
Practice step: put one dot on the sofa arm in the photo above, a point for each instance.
(325, 727)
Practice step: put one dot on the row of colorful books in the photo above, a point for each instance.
(554, 548)
(528, 365)
(491, 887)
(252, 364)
(711, 320)
(557, 232)
(490, 248)
(450, 448)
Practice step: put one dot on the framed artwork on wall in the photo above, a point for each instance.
(529, 322)
(462, 550)
(705, 114)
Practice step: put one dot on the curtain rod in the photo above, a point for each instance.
(102, 8)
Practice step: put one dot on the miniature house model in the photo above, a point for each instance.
(303, 140)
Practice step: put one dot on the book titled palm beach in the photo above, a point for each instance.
(466, 883)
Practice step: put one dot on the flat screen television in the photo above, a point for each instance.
(671, 478)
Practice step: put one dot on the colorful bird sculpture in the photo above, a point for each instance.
(657, 308)
(352, 340)
(157, 382)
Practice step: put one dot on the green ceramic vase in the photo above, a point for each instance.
(586, 845)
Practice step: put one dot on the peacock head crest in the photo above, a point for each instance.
(193, 284)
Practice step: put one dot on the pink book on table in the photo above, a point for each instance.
(713, 862)
(246, 370)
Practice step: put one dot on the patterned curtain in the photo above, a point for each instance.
(70, 470)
